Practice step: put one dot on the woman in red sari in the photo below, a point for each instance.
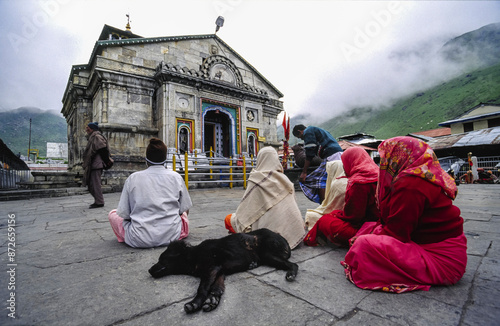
(340, 225)
(419, 239)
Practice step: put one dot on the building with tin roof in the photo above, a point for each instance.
(476, 131)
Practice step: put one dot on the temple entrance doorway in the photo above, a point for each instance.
(217, 133)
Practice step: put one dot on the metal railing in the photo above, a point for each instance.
(461, 165)
(489, 163)
(208, 168)
(10, 179)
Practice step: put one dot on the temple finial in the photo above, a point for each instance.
(127, 27)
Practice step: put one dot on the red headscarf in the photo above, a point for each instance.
(359, 166)
(408, 156)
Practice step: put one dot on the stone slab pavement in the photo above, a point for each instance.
(68, 269)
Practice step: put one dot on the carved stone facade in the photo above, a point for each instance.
(193, 92)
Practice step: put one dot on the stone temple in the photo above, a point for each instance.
(194, 92)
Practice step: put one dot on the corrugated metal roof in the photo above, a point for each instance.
(434, 132)
(489, 136)
(344, 144)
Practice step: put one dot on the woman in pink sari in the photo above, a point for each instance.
(419, 239)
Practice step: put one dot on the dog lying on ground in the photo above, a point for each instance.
(213, 259)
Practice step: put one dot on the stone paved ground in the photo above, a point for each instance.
(71, 271)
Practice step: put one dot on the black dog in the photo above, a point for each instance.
(212, 260)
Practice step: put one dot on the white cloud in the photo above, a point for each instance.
(404, 60)
(298, 45)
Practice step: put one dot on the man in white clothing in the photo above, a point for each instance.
(153, 205)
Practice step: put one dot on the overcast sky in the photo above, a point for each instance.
(324, 56)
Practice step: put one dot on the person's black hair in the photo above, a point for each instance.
(296, 128)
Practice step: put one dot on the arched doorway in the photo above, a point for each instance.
(183, 140)
(218, 132)
(252, 145)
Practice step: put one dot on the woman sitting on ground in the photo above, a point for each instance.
(154, 204)
(268, 202)
(419, 239)
(340, 225)
(336, 184)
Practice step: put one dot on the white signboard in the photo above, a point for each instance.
(57, 150)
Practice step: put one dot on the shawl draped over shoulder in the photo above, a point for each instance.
(269, 201)
(334, 193)
(91, 160)
(390, 260)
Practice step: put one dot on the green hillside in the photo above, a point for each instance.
(424, 110)
(45, 127)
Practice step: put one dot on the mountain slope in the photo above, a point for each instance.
(480, 47)
(45, 127)
(476, 54)
(422, 111)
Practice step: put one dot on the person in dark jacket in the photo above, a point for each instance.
(318, 142)
(96, 157)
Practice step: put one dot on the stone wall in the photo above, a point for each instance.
(138, 88)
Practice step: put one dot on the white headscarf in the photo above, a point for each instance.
(269, 201)
(334, 193)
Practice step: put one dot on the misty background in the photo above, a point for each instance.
(326, 57)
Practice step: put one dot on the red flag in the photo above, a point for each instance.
(286, 127)
(286, 130)
(284, 123)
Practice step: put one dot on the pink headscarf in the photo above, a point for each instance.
(408, 156)
(359, 167)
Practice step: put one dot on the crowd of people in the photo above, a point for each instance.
(397, 219)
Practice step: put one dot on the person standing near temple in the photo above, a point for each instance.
(319, 142)
(96, 157)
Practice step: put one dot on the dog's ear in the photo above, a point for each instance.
(179, 244)
(175, 248)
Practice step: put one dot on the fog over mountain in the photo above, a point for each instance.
(303, 47)
(406, 70)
